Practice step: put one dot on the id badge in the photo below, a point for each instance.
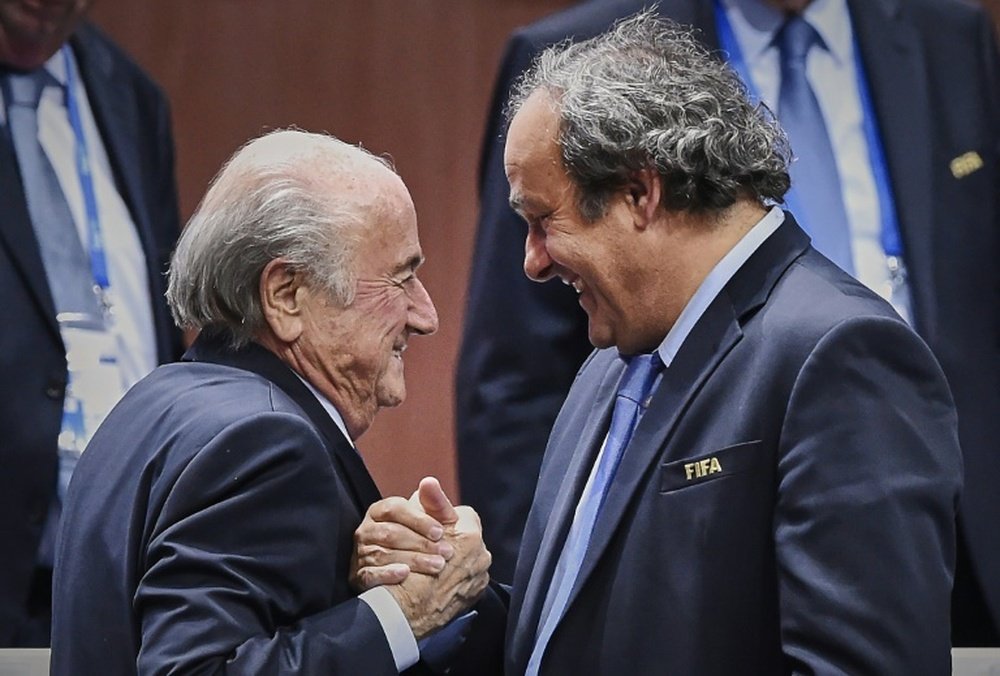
(94, 384)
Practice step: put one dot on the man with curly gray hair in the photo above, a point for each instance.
(757, 470)
(773, 487)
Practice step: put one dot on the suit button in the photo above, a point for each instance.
(55, 389)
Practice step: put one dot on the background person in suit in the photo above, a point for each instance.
(931, 71)
(210, 524)
(758, 469)
(64, 88)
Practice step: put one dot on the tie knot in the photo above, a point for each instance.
(639, 376)
(795, 38)
(25, 89)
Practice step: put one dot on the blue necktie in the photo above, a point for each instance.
(814, 172)
(629, 403)
(67, 266)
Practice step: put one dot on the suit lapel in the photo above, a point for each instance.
(256, 359)
(894, 60)
(570, 476)
(708, 343)
(18, 235)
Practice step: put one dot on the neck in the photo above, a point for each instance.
(692, 246)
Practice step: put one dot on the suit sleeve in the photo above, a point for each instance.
(239, 563)
(869, 478)
(522, 345)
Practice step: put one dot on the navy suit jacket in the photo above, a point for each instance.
(133, 119)
(209, 529)
(935, 77)
(787, 502)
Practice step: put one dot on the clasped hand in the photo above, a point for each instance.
(428, 553)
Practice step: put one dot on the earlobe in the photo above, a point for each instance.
(281, 293)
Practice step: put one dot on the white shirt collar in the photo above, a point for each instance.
(56, 65)
(757, 22)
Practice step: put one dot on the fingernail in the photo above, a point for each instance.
(436, 533)
(436, 563)
(446, 550)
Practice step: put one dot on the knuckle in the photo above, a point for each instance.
(371, 555)
(385, 508)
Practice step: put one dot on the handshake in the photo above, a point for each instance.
(427, 553)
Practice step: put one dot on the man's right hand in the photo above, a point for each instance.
(431, 599)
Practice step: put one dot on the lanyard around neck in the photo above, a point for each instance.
(95, 238)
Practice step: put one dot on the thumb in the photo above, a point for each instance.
(434, 501)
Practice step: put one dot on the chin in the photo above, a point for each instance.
(600, 335)
(389, 396)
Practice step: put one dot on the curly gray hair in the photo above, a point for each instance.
(647, 94)
(271, 200)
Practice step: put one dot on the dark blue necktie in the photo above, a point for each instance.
(814, 171)
(67, 266)
(630, 401)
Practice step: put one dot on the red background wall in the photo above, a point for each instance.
(411, 78)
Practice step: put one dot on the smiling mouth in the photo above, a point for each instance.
(398, 350)
(575, 283)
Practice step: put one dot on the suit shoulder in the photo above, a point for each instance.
(816, 292)
(216, 395)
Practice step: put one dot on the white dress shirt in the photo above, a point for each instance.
(833, 76)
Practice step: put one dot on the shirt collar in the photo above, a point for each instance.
(715, 281)
(56, 65)
(330, 409)
(757, 22)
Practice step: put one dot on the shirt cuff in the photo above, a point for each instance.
(397, 629)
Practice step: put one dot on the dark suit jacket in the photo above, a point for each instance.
(134, 123)
(933, 70)
(818, 536)
(209, 529)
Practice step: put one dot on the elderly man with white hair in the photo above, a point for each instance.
(209, 527)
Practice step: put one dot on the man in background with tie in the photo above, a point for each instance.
(893, 112)
(88, 217)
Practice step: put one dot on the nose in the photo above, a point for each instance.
(538, 264)
(423, 317)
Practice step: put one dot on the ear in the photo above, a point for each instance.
(282, 292)
(643, 194)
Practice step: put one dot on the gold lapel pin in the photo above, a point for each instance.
(965, 164)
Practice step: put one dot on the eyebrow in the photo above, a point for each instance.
(523, 204)
(410, 264)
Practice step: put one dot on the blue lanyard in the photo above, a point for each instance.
(889, 225)
(98, 260)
